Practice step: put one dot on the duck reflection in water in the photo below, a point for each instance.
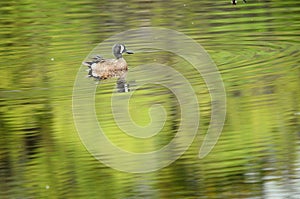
(101, 68)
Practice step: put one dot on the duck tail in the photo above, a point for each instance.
(89, 64)
(95, 60)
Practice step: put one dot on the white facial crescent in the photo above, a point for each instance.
(122, 48)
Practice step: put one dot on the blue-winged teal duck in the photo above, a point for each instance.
(101, 68)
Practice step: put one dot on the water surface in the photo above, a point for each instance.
(255, 46)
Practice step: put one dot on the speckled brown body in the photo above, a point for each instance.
(109, 68)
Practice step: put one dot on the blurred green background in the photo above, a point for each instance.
(255, 47)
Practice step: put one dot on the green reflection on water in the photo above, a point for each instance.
(255, 46)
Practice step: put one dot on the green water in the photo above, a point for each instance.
(255, 46)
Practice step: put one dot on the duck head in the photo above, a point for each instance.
(119, 49)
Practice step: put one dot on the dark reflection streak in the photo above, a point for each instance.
(5, 159)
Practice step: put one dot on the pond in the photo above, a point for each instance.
(212, 110)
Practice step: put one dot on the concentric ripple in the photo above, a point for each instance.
(140, 41)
